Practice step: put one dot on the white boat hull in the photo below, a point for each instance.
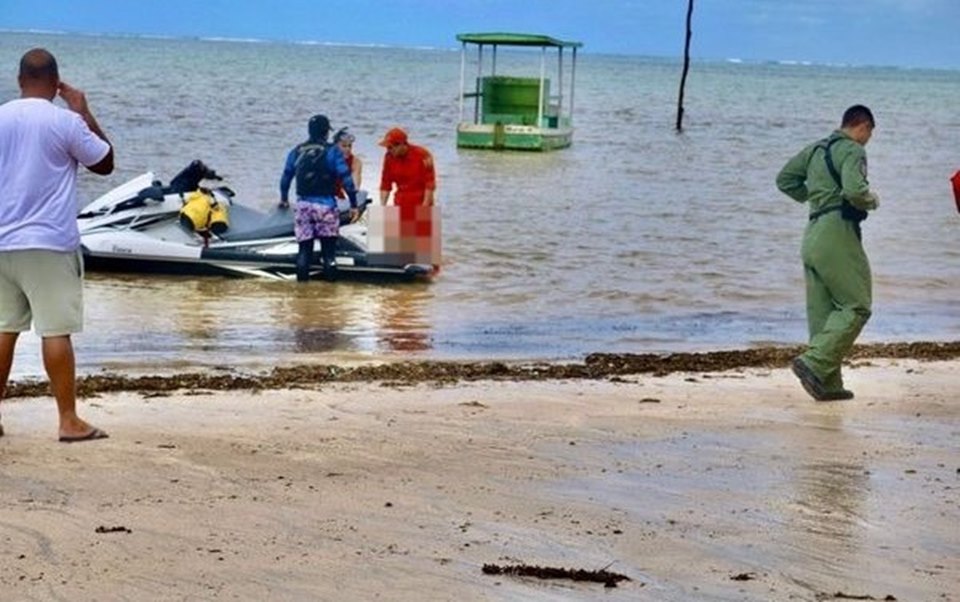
(136, 228)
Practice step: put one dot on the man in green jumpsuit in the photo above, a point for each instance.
(831, 176)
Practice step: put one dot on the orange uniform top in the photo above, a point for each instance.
(413, 173)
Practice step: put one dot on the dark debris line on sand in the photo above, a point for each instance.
(594, 366)
(605, 577)
(843, 596)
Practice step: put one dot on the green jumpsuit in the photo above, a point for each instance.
(836, 269)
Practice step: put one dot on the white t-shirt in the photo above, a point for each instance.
(40, 147)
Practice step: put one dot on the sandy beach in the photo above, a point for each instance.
(696, 485)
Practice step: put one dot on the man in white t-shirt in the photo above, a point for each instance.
(41, 269)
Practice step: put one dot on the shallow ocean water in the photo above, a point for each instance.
(636, 239)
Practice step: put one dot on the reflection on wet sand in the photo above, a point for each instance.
(830, 500)
(797, 501)
(828, 491)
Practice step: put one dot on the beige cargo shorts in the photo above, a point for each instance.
(42, 287)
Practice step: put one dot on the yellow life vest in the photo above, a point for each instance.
(202, 213)
(219, 220)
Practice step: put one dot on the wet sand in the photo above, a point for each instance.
(717, 482)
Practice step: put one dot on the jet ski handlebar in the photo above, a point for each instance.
(190, 176)
(187, 180)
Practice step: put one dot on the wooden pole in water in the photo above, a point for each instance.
(686, 67)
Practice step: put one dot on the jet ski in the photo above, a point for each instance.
(144, 226)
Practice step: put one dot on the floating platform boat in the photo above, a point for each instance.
(513, 112)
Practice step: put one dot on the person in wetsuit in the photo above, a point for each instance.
(317, 166)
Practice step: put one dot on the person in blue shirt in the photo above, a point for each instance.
(317, 166)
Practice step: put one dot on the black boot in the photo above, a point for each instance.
(328, 251)
(304, 259)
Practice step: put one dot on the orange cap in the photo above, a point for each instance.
(394, 136)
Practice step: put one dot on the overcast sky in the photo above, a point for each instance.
(908, 33)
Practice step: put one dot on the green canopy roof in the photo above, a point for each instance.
(515, 39)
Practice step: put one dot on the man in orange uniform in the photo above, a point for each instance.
(410, 167)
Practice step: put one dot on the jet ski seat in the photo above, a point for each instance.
(251, 224)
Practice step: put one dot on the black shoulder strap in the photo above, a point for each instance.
(847, 210)
(828, 158)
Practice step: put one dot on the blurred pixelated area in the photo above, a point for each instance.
(405, 234)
